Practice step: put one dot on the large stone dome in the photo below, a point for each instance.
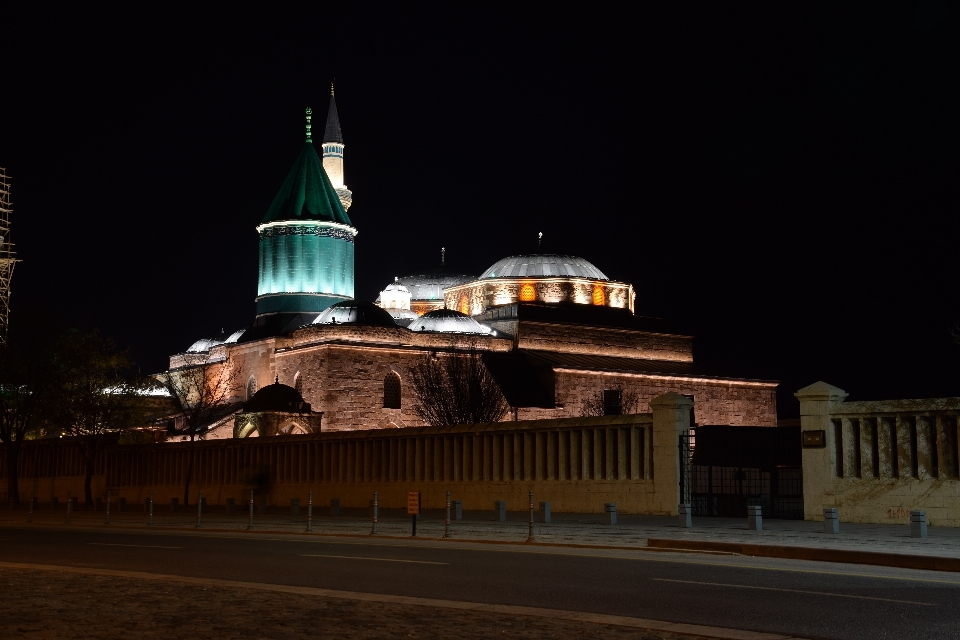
(356, 312)
(448, 321)
(543, 265)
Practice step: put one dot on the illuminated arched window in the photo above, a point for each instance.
(298, 383)
(598, 298)
(391, 391)
(527, 293)
(251, 387)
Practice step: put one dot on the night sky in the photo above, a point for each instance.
(782, 185)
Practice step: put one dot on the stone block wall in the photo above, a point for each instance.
(879, 460)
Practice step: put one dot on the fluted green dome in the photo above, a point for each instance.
(307, 194)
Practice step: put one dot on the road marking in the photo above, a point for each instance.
(506, 609)
(814, 593)
(142, 546)
(321, 555)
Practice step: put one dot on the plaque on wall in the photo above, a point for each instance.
(814, 439)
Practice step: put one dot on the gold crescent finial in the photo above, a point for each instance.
(331, 87)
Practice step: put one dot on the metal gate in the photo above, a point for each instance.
(686, 447)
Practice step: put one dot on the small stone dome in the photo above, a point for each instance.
(448, 321)
(543, 265)
(203, 345)
(356, 312)
(396, 286)
(234, 336)
(276, 397)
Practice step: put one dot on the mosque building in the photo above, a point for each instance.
(553, 330)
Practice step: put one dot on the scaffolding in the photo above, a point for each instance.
(7, 254)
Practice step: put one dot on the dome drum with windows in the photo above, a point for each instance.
(544, 278)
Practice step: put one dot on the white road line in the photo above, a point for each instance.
(142, 546)
(320, 555)
(815, 593)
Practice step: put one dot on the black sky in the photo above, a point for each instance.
(780, 184)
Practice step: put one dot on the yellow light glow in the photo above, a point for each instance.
(527, 293)
(598, 295)
(464, 306)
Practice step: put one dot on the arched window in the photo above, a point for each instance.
(298, 383)
(251, 387)
(391, 391)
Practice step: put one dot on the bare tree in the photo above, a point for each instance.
(29, 375)
(456, 389)
(95, 400)
(200, 395)
(624, 402)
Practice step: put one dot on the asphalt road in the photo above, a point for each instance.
(814, 600)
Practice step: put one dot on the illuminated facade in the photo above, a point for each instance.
(554, 331)
(306, 242)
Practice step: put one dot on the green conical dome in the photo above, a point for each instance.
(307, 194)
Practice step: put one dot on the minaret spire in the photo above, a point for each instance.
(333, 153)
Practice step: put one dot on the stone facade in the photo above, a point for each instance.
(341, 370)
(876, 461)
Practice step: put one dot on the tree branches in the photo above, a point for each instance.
(456, 389)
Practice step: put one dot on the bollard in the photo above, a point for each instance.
(446, 523)
(294, 506)
(754, 518)
(918, 524)
(335, 506)
(199, 509)
(30, 513)
(69, 505)
(500, 510)
(831, 520)
(150, 517)
(544, 512)
(375, 514)
(457, 506)
(530, 537)
(250, 527)
(685, 515)
(310, 510)
(108, 508)
(610, 513)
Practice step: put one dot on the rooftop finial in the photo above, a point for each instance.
(308, 111)
(540, 239)
(331, 86)
(443, 256)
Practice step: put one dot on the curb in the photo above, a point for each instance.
(851, 556)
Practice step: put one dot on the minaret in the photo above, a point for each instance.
(333, 153)
(306, 242)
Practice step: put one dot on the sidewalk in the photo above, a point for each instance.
(635, 532)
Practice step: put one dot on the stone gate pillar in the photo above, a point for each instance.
(671, 417)
(817, 402)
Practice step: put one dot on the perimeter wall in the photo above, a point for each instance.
(577, 464)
